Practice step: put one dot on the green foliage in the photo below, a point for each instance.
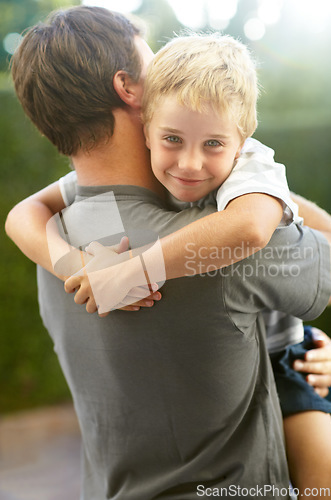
(29, 370)
(306, 152)
(17, 15)
(161, 22)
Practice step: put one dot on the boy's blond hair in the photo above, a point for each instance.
(205, 69)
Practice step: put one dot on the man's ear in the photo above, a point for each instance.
(146, 134)
(129, 92)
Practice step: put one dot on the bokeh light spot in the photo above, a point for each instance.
(11, 42)
(254, 29)
(124, 6)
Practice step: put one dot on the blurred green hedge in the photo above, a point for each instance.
(29, 371)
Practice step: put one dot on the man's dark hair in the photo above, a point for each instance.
(63, 74)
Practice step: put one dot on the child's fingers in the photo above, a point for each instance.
(144, 291)
(320, 338)
(72, 283)
(122, 307)
(135, 306)
(322, 392)
(94, 248)
(140, 297)
(81, 296)
(103, 315)
(123, 245)
(132, 301)
(322, 367)
(91, 306)
(320, 381)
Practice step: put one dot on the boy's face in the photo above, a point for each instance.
(192, 153)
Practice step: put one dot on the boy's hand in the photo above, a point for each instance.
(109, 281)
(84, 295)
(71, 263)
(317, 363)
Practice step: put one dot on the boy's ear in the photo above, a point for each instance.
(239, 150)
(146, 134)
(129, 92)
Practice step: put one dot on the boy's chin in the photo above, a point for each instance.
(187, 197)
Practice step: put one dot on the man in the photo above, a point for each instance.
(178, 401)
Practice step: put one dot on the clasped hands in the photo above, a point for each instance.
(111, 278)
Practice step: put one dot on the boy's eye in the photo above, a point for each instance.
(213, 143)
(173, 138)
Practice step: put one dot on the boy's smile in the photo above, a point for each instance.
(192, 152)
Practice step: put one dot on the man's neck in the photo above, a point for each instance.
(123, 159)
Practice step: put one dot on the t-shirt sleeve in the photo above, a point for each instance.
(256, 171)
(292, 274)
(68, 185)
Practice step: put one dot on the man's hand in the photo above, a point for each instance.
(317, 363)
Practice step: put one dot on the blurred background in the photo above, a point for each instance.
(291, 40)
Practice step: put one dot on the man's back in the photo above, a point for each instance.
(171, 397)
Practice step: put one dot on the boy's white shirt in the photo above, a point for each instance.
(255, 171)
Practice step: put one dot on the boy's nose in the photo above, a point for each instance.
(190, 161)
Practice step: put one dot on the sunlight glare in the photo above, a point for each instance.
(217, 13)
(254, 29)
(190, 14)
(314, 14)
(124, 6)
(269, 11)
(220, 13)
(225, 9)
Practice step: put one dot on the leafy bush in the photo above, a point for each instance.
(29, 370)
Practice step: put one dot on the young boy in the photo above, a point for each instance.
(199, 110)
(191, 181)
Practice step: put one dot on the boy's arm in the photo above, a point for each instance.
(210, 243)
(244, 227)
(26, 224)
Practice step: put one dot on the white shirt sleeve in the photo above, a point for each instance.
(67, 186)
(256, 171)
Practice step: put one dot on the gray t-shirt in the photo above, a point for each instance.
(179, 398)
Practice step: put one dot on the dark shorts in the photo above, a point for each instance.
(294, 392)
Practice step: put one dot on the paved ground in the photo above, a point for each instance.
(40, 455)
